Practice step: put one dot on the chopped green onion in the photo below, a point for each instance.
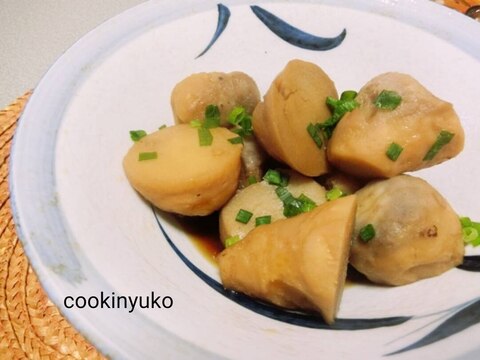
(212, 117)
(328, 126)
(246, 128)
(232, 240)
(334, 194)
(212, 111)
(196, 123)
(367, 233)
(243, 216)
(147, 156)
(295, 206)
(236, 140)
(205, 137)
(211, 123)
(136, 135)
(284, 195)
(465, 221)
(394, 151)
(442, 139)
(243, 122)
(314, 132)
(469, 234)
(348, 95)
(212, 120)
(162, 127)
(292, 208)
(307, 203)
(263, 220)
(339, 108)
(251, 180)
(476, 225)
(388, 100)
(236, 115)
(332, 102)
(275, 177)
(470, 231)
(475, 242)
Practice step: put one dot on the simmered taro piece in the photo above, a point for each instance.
(299, 262)
(405, 231)
(262, 200)
(398, 127)
(193, 94)
(172, 170)
(295, 100)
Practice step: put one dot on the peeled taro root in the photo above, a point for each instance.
(193, 94)
(295, 99)
(260, 199)
(417, 234)
(421, 131)
(180, 176)
(297, 263)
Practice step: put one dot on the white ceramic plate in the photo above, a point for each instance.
(86, 231)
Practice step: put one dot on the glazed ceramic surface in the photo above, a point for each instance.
(87, 232)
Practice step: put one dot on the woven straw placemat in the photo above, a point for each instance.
(31, 327)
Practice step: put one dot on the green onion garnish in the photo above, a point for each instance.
(212, 117)
(339, 108)
(442, 139)
(147, 156)
(394, 151)
(205, 137)
(332, 102)
(388, 100)
(307, 203)
(243, 216)
(275, 177)
(236, 140)
(284, 195)
(232, 240)
(470, 231)
(263, 220)
(251, 180)
(293, 206)
(314, 132)
(346, 103)
(334, 194)
(465, 221)
(236, 115)
(348, 95)
(136, 135)
(367, 233)
(298, 206)
(469, 234)
(196, 123)
(162, 127)
(241, 120)
(212, 120)
(476, 242)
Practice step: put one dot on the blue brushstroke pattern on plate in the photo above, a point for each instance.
(279, 27)
(222, 22)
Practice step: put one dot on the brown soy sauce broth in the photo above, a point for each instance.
(203, 232)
